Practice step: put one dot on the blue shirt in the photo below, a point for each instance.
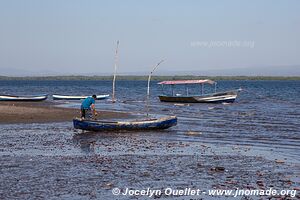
(87, 103)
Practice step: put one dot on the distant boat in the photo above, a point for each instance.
(23, 98)
(68, 97)
(144, 124)
(216, 97)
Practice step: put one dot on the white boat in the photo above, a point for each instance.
(220, 97)
(23, 98)
(68, 97)
(216, 97)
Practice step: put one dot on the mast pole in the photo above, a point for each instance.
(115, 72)
(148, 88)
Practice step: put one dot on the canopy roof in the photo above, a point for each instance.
(186, 82)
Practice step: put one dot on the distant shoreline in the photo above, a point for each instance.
(143, 78)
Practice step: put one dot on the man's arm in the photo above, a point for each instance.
(93, 109)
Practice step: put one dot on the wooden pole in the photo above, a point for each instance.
(172, 90)
(115, 72)
(148, 88)
(215, 87)
(187, 90)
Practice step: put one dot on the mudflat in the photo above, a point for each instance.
(43, 112)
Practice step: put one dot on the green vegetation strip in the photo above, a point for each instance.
(143, 78)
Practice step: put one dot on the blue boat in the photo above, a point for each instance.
(145, 124)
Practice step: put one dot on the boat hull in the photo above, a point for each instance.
(222, 97)
(68, 97)
(23, 98)
(151, 124)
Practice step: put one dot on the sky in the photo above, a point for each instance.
(79, 36)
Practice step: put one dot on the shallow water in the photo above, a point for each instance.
(55, 161)
(265, 115)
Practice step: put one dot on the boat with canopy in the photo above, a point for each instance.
(215, 97)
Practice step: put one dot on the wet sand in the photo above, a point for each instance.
(43, 112)
(54, 161)
(57, 164)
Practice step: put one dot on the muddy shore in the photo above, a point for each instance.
(51, 160)
(43, 112)
(55, 163)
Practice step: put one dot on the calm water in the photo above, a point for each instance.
(265, 115)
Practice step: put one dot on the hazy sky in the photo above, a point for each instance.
(79, 36)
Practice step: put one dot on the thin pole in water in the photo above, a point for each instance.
(215, 87)
(172, 90)
(187, 90)
(115, 72)
(148, 89)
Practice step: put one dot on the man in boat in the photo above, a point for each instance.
(87, 105)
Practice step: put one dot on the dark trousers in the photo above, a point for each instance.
(83, 112)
